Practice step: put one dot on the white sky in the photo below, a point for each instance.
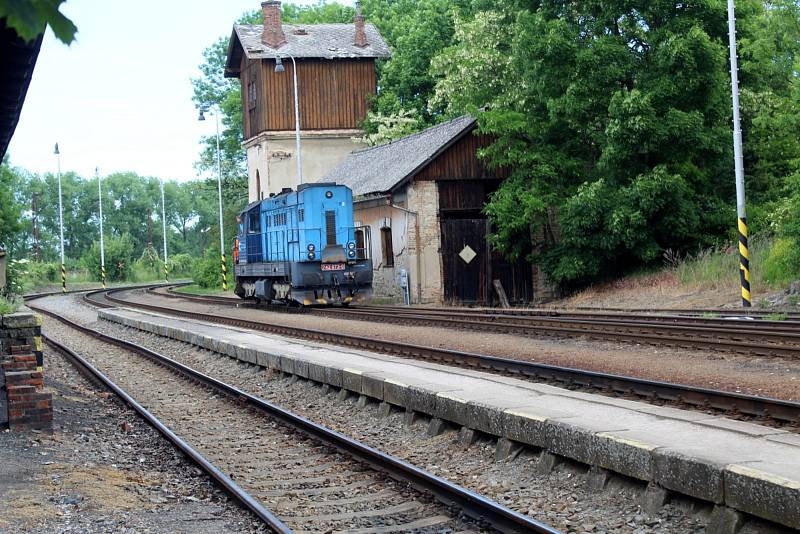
(120, 98)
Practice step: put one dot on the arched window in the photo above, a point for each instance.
(386, 247)
(361, 249)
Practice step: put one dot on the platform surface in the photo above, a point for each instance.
(748, 467)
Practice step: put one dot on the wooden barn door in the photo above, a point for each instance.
(464, 260)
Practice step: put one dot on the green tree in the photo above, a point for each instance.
(118, 258)
(28, 19)
(614, 116)
(10, 210)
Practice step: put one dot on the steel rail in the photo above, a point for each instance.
(575, 325)
(233, 489)
(779, 410)
(472, 504)
(776, 339)
(790, 326)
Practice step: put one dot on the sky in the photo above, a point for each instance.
(120, 97)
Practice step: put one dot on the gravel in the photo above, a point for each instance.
(562, 498)
(103, 469)
(753, 375)
(309, 486)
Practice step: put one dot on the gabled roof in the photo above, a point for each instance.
(17, 60)
(326, 41)
(382, 168)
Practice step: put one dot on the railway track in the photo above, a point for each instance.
(291, 472)
(765, 410)
(761, 338)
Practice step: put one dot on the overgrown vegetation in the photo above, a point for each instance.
(132, 227)
(7, 306)
(613, 118)
(206, 271)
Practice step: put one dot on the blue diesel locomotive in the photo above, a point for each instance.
(301, 247)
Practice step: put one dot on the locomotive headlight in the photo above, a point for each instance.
(311, 247)
(310, 255)
(351, 253)
(351, 245)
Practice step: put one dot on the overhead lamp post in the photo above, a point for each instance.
(280, 68)
(164, 231)
(102, 247)
(224, 261)
(744, 254)
(61, 220)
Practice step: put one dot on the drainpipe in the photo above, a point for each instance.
(419, 256)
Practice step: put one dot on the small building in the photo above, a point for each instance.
(336, 78)
(423, 197)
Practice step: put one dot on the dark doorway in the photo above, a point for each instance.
(465, 270)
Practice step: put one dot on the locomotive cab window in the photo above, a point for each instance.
(253, 222)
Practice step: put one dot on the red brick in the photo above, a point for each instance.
(36, 382)
(37, 412)
(25, 358)
(20, 349)
(18, 366)
(22, 405)
(23, 374)
(19, 389)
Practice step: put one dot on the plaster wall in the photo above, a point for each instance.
(386, 279)
(271, 158)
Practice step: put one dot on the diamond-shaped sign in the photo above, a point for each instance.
(467, 254)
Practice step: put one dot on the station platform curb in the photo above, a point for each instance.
(737, 466)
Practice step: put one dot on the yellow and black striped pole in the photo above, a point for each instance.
(63, 278)
(224, 268)
(103, 276)
(744, 255)
(166, 272)
(744, 263)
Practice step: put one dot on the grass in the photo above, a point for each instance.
(197, 290)
(719, 268)
(776, 317)
(7, 306)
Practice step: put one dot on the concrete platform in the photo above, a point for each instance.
(743, 466)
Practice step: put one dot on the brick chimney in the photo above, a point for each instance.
(273, 35)
(361, 36)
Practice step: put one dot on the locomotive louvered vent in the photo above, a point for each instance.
(330, 227)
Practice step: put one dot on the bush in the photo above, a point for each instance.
(7, 306)
(782, 265)
(118, 256)
(24, 275)
(206, 271)
(181, 265)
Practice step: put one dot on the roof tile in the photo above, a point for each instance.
(380, 168)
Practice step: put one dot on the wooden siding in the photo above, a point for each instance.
(333, 94)
(460, 162)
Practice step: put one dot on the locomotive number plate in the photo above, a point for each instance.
(333, 266)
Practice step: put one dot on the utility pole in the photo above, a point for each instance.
(37, 249)
(102, 247)
(149, 228)
(744, 253)
(164, 230)
(61, 221)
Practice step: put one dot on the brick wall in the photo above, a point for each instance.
(23, 403)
